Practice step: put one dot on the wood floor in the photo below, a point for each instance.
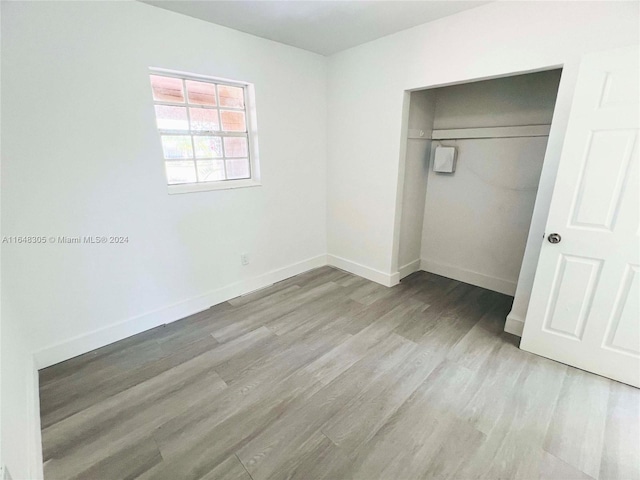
(330, 376)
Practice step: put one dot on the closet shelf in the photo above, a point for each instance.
(492, 132)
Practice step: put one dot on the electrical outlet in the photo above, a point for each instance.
(244, 258)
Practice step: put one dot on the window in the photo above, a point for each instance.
(205, 132)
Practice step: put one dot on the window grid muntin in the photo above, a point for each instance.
(208, 133)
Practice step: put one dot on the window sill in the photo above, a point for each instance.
(210, 186)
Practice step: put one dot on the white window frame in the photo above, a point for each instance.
(252, 134)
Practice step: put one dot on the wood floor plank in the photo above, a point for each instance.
(195, 448)
(292, 465)
(316, 277)
(125, 464)
(440, 304)
(266, 453)
(192, 457)
(479, 343)
(296, 350)
(514, 447)
(58, 405)
(129, 432)
(227, 317)
(230, 469)
(264, 315)
(253, 297)
(552, 468)
(365, 414)
(369, 293)
(338, 360)
(270, 386)
(307, 316)
(498, 377)
(109, 357)
(124, 351)
(323, 461)
(356, 321)
(94, 421)
(576, 434)
(424, 438)
(621, 452)
(329, 376)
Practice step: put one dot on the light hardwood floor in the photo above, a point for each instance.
(330, 376)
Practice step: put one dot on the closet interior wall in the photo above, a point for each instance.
(418, 149)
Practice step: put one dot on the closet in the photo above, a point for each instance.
(472, 224)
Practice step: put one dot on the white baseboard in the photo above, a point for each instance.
(514, 324)
(409, 268)
(117, 331)
(468, 276)
(386, 279)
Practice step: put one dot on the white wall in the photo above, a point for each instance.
(477, 219)
(366, 94)
(81, 156)
(517, 100)
(416, 169)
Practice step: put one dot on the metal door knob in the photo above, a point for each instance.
(554, 238)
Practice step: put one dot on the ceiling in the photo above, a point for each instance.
(324, 27)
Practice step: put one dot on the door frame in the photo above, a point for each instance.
(516, 318)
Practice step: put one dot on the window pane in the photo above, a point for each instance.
(171, 118)
(180, 172)
(177, 146)
(167, 89)
(210, 170)
(235, 147)
(233, 121)
(238, 168)
(201, 93)
(208, 147)
(204, 119)
(231, 96)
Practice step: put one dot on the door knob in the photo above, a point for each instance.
(554, 238)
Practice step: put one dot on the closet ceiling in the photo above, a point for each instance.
(323, 27)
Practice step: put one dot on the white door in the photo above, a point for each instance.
(584, 308)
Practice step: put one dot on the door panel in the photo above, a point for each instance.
(600, 185)
(584, 308)
(624, 328)
(571, 300)
(619, 88)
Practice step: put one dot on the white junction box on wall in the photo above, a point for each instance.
(444, 160)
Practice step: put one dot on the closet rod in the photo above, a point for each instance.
(492, 132)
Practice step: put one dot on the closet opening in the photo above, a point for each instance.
(472, 164)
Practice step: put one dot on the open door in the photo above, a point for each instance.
(584, 309)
